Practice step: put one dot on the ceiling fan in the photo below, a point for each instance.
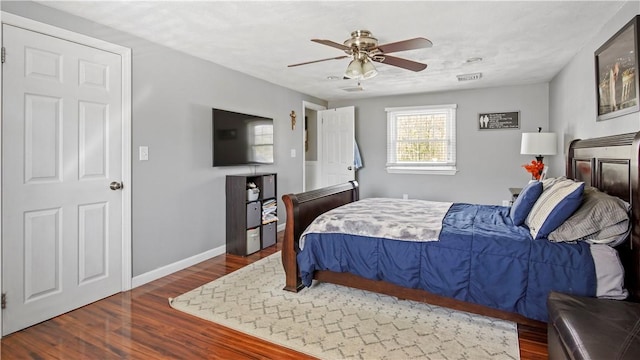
(363, 48)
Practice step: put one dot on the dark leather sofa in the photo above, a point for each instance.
(590, 328)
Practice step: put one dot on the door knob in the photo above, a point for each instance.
(115, 185)
(349, 168)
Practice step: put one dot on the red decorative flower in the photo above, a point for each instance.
(534, 168)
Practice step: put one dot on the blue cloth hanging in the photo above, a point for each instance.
(357, 160)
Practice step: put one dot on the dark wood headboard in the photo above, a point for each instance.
(611, 164)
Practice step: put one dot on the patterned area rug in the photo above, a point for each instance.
(336, 322)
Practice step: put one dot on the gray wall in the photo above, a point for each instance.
(178, 197)
(489, 161)
(572, 94)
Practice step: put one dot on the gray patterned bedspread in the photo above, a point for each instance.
(407, 220)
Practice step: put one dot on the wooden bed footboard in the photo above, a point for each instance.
(301, 210)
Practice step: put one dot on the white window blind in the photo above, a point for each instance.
(422, 139)
(262, 143)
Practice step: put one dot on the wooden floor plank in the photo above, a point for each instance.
(140, 324)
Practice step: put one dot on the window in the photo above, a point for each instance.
(422, 139)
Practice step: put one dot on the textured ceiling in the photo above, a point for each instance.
(520, 42)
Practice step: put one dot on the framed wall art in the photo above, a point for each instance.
(499, 120)
(617, 73)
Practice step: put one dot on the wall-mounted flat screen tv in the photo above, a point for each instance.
(241, 139)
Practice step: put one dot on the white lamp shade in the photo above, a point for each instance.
(354, 70)
(368, 70)
(539, 143)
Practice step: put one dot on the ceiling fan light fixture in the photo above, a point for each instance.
(354, 70)
(363, 49)
(368, 69)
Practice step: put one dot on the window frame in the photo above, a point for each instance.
(439, 168)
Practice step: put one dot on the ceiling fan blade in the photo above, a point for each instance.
(332, 44)
(315, 61)
(402, 63)
(409, 44)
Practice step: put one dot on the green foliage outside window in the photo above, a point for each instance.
(421, 138)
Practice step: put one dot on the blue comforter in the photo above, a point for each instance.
(481, 257)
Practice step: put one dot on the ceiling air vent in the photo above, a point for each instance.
(467, 77)
(353, 88)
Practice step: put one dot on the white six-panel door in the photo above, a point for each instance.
(337, 138)
(61, 150)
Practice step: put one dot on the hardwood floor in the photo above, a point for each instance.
(139, 324)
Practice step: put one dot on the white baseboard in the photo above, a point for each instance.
(176, 266)
(182, 264)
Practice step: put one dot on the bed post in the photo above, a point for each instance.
(570, 171)
(634, 241)
(289, 246)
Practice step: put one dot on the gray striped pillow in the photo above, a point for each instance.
(553, 207)
(601, 218)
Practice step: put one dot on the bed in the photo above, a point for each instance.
(609, 164)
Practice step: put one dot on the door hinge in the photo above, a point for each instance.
(4, 55)
(3, 300)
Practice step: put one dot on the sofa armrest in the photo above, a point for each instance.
(591, 328)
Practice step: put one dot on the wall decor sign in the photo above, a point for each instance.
(499, 120)
(617, 72)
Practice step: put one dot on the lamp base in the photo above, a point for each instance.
(540, 174)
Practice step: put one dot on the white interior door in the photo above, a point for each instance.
(337, 137)
(61, 149)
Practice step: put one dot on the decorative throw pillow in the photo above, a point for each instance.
(601, 218)
(549, 182)
(553, 207)
(524, 202)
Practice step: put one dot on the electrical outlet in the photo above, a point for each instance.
(405, 196)
(506, 202)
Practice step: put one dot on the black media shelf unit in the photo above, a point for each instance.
(247, 229)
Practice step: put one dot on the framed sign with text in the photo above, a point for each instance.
(499, 120)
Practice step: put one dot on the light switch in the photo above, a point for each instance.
(293, 153)
(144, 153)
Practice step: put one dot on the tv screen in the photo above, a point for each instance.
(241, 139)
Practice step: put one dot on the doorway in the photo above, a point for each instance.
(328, 145)
(310, 138)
